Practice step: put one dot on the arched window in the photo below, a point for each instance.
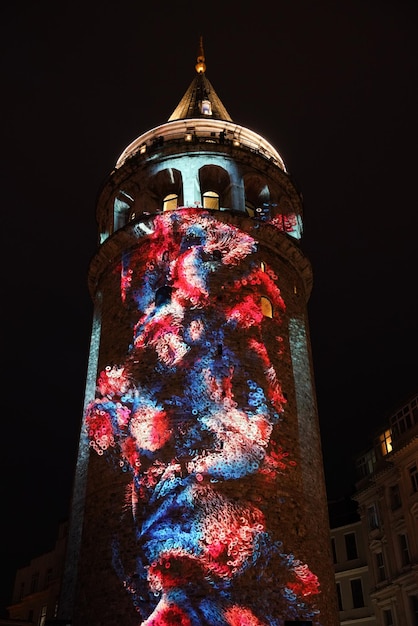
(266, 307)
(210, 200)
(170, 202)
(250, 208)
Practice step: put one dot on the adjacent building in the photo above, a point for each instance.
(38, 585)
(387, 497)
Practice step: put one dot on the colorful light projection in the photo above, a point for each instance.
(193, 415)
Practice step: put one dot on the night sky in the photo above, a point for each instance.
(332, 85)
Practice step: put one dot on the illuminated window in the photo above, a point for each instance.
(250, 208)
(211, 200)
(170, 202)
(385, 442)
(266, 307)
(206, 107)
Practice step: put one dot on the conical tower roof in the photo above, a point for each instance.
(200, 99)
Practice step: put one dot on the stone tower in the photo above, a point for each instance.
(199, 494)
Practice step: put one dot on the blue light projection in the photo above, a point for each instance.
(193, 415)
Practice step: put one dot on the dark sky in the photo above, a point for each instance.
(333, 85)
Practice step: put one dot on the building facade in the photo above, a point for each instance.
(199, 494)
(37, 586)
(351, 568)
(387, 497)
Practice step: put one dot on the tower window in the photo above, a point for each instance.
(205, 107)
(170, 202)
(266, 307)
(211, 200)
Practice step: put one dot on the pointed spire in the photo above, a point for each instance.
(199, 93)
(200, 65)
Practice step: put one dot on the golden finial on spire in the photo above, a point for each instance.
(200, 65)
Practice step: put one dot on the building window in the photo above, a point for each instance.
(334, 550)
(404, 549)
(211, 200)
(48, 577)
(42, 616)
(395, 497)
(34, 582)
(266, 307)
(402, 421)
(206, 107)
(351, 546)
(170, 202)
(372, 518)
(365, 464)
(413, 472)
(357, 593)
(250, 208)
(380, 567)
(385, 442)
(388, 618)
(339, 597)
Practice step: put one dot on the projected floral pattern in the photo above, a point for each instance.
(193, 415)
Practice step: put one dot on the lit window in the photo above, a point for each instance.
(266, 307)
(385, 442)
(211, 200)
(250, 208)
(170, 202)
(206, 107)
